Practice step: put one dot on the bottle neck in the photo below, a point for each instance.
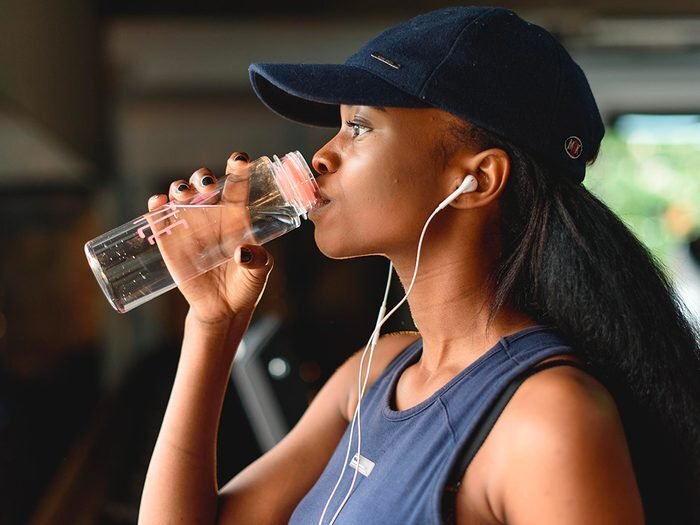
(296, 183)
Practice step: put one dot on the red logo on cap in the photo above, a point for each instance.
(573, 147)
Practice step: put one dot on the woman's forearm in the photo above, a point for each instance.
(181, 482)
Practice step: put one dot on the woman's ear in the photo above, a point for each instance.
(491, 169)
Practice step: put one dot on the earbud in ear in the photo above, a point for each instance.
(468, 185)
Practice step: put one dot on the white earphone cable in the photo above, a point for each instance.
(371, 343)
(361, 391)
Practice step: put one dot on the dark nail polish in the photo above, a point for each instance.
(206, 181)
(246, 255)
(242, 157)
(183, 187)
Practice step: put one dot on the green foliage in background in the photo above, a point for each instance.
(654, 188)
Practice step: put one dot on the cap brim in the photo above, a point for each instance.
(312, 93)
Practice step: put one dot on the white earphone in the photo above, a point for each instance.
(468, 185)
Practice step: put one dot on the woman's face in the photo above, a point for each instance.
(382, 174)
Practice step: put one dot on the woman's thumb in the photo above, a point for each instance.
(254, 258)
(254, 265)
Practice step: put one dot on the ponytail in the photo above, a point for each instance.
(569, 262)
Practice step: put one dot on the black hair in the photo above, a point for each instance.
(569, 262)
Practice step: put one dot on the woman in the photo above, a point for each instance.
(524, 268)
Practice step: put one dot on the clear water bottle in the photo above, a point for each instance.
(152, 254)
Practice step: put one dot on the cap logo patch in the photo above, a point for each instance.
(573, 147)
(385, 60)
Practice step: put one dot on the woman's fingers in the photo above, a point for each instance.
(180, 190)
(237, 161)
(156, 201)
(203, 180)
(237, 183)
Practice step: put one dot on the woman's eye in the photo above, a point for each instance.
(357, 129)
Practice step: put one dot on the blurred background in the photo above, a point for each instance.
(104, 103)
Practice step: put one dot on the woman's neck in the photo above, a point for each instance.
(451, 304)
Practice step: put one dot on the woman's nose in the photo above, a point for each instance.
(325, 160)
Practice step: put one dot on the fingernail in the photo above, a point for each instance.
(206, 181)
(246, 255)
(241, 157)
(153, 197)
(183, 187)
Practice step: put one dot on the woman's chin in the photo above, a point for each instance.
(335, 253)
(337, 248)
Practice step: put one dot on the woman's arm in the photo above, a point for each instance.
(181, 481)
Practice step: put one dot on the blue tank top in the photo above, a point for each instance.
(406, 455)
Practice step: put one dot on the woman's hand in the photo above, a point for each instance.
(234, 287)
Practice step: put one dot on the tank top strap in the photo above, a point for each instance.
(403, 357)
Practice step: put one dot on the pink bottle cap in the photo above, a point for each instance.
(296, 183)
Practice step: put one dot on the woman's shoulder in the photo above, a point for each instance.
(558, 401)
(560, 431)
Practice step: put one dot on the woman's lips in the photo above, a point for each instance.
(321, 204)
(323, 201)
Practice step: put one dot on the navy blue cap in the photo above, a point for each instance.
(485, 65)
